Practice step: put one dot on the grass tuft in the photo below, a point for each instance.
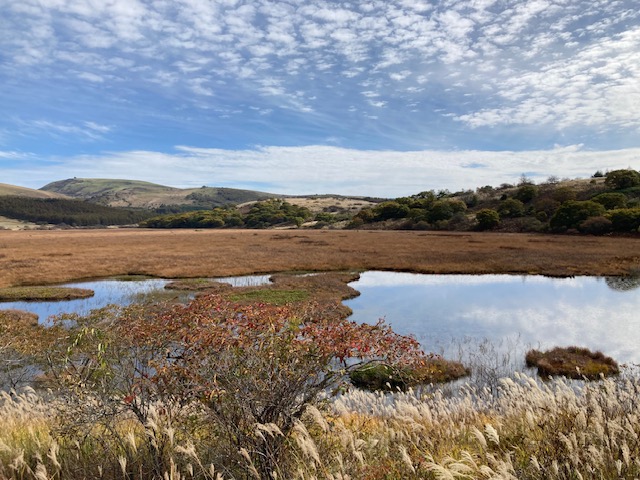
(572, 362)
(46, 293)
(380, 376)
(271, 296)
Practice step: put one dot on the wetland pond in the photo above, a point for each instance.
(448, 314)
(119, 292)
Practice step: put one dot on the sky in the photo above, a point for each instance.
(373, 97)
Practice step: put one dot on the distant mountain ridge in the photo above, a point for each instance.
(16, 191)
(139, 194)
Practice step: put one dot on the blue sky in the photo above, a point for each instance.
(370, 97)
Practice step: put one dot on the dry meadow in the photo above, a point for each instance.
(43, 257)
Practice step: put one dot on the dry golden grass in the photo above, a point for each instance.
(41, 257)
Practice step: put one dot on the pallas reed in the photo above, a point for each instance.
(525, 429)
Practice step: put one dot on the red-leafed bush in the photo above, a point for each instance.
(246, 365)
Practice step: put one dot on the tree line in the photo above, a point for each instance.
(597, 207)
(263, 214)
(69, 212)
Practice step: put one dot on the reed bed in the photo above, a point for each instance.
(527, 429)
(45, 257)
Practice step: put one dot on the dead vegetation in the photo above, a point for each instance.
(45, 257)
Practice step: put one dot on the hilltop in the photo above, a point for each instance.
(139, 194)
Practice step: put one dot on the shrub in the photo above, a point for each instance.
(390, 210)
(245, 366)
(444, 210)
(572, 213)
(526, 193)
(546, 206)
(596, 225)
(625, 219)
(510, 208)
(611, 200)
(487, 219)
(324, 217)
(563, 194)
(619, 179)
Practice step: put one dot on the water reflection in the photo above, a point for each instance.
(443, 311)
(245, 281)
(120, 292)
(109, 291)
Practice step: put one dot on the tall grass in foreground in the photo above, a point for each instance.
(524, 429)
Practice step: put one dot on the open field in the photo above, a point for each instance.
(42, 257)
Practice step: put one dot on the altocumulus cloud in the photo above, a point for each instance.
(395, 95)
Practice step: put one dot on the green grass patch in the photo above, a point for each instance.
(197, 285)
(272, 296)
(16, 294)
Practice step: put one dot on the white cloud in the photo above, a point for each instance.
(85, 131)
(323, 169)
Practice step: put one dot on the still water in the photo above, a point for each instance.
(444, 312)
(447, 313)
(106, 292)
(119, 292)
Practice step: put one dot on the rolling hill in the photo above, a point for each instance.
(16, 191)
(138, 194)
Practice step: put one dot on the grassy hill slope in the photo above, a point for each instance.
(16, 191)
(138, 194)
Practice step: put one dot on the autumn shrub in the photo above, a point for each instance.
(242, 366)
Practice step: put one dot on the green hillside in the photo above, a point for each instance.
(16, 191)
(138, 194)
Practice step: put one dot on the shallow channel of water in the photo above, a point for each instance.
(447, 312)
(119, 292)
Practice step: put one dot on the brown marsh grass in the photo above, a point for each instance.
(44, 257)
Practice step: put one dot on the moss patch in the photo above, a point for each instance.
(197, 285)
(13, 294)
(572, 362)
(381, 376)
(272, 296)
